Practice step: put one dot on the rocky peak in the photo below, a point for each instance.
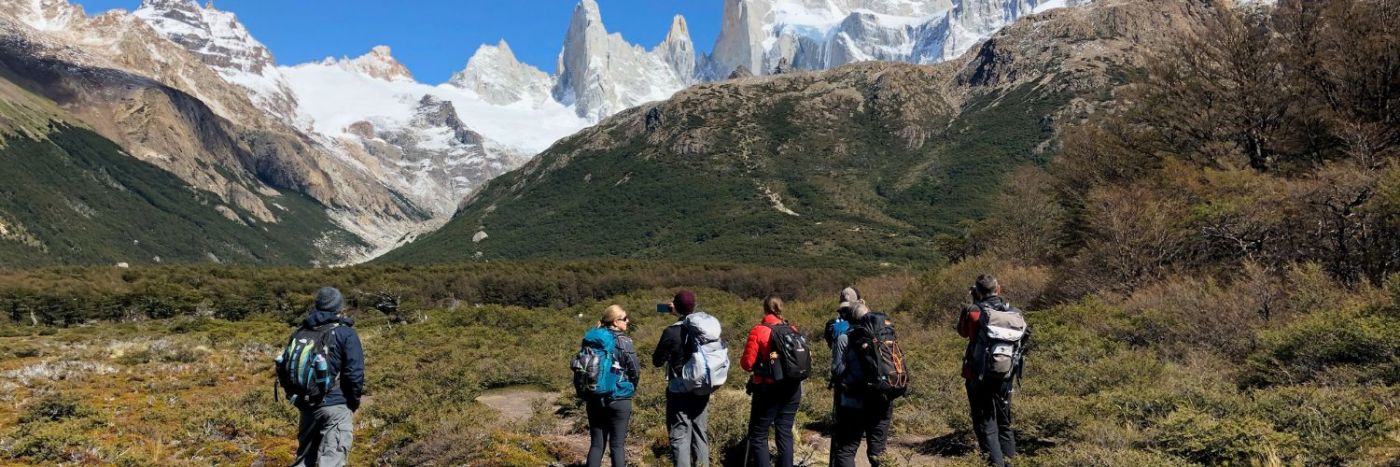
(600, 74)
(741, 36)
(498, 77)
(678, 51)
(220, 41)
(436, 112)
(44, 15)
(215, 36)
(379, 63)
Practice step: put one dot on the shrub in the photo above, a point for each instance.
(53, 408)
(1184, 313)
(1335, 425)
(51, 443)
(1237, 440)
(937, 296)
(1348, 344)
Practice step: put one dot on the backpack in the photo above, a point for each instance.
(997, 352)
(794, 358)
(303, 368)
(707, 367)
(597, 371)
(879, 356)
(836, 327)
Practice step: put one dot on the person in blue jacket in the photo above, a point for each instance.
(326, 430)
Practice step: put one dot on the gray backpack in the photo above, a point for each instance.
(707, 367)
(997, 352)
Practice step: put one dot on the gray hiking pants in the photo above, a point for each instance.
(324, 436)
(688, 422)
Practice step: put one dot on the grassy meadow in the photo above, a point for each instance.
(1144, 379)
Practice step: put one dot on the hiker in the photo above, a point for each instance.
(777, 355)
(323, 372)
(696, 363)
(848, 299)
(869, 371)
(996, 336)
(606, 373)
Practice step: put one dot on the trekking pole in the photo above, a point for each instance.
(749, 421)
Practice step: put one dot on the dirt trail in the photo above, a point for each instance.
(516, 403)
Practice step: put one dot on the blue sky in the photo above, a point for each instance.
(434, 38)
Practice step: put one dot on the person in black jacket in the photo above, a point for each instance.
(687, 415)
(608, 419)
(326, 430)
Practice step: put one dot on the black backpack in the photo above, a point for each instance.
(882, 367)
(303, 368)
(794, 357)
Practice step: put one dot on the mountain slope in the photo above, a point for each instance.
(169, 106)
(70, 196)
(865, 163)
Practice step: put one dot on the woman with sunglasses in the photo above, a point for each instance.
(608, 416)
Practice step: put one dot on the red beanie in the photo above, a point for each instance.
(685, 302)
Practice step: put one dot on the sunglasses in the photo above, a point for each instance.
(624, 319)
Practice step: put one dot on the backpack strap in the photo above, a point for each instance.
(328, 339)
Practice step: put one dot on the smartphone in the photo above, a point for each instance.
(663, 308)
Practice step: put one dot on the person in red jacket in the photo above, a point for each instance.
(774, 402)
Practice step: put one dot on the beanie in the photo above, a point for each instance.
(329, 299)
(685, 302)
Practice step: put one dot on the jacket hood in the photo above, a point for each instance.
(320, 317)
(996, 302)
(849, 295)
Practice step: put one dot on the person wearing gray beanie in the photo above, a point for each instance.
(325, 434)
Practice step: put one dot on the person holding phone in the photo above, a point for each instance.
(687, 414)
(989, 391)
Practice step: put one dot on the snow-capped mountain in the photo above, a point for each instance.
(494, 74)
(433, 156)
(323, 88)
(218, 39)
(367, 112)
(761, 35)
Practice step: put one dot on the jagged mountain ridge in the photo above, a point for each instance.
(860, 165)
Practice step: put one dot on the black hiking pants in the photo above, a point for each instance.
(870, 421)
(991, 420)
(774, 406)
(607, 427)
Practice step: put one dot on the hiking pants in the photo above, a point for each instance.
(774, 406)
(324, 436)
(688, 422)
(871, 421)
(607, 427)
(991, 420)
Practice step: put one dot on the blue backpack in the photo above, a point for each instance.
(597, 372)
